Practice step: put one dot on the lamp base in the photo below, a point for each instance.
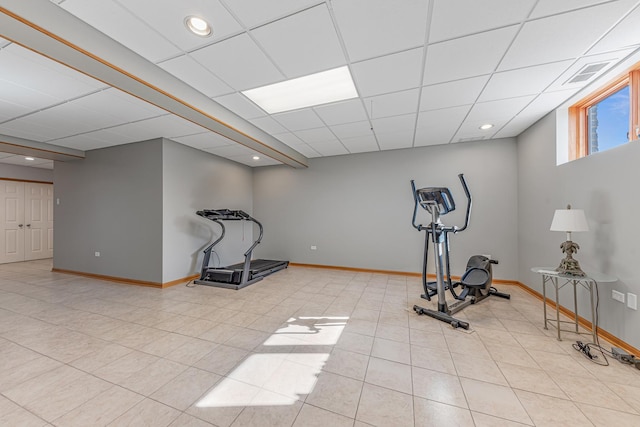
(569, 265)
(571, 271)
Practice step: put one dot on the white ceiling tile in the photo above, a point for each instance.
(240, 105)
(467, 56)
(392, 104)
(25, 68)
(302, 44)
(113, 20)
(289, 138)
(78, 116)
(230, 150)
(268, 125)
(393, 124)
(3, 42)
(248, 161)
(237, 61)
(439, 126)
(34, 127)
(452, 94)
(552, 7)
(254, 12)
(304, 149)
(299, 119)
(395, 140)
(121, 106)
(21, 161)
(331, 148)
(449, 117)
(342, 112)
(378, 27)
(89, 141)
(546, 102)
(171, 126)
(538, 41)
(204, 140)
(169, 16)
(9, 110)
(4, 155)
(493, 112)
(361, 144)
(455, 18)
(622, 35)
(352, 130)
(391, 73)
(517, 125)
(523, 81)
(24, 97)
(311, 136)
(130, 132)
(191, 72)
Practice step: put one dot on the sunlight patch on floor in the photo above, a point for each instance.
(279, 378)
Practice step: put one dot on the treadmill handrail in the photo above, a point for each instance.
(209, 249)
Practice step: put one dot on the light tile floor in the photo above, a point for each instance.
(304, 347)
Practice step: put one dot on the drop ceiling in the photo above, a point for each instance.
(427, 72)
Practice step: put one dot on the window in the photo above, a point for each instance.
(607, 118)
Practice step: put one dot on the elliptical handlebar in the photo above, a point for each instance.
(415, 207)
(469, 203)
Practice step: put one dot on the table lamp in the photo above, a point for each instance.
(569, 220)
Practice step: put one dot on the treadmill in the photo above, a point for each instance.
(235, 276)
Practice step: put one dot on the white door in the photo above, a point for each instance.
(11, 221)
(38, 218)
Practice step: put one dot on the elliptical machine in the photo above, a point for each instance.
(475, 283)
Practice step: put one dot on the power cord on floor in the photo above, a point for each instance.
(589, 349)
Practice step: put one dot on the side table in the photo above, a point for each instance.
(558, 280)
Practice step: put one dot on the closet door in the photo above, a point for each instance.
(12, 226)
(38, 218)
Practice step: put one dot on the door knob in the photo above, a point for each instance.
(20, 225)
(29, 225)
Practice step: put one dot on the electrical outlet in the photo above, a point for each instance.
(97, 253)
(618, 296)
(314, 248)
(632, 301)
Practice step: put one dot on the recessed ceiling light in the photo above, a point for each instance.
(198, 26)
(307, 91)
(487, 126)
(256, 157)
(29, 158)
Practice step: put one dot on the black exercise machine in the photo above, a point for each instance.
(475, 283)
(235, 276)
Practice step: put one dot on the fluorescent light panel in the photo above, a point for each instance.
(308, 91)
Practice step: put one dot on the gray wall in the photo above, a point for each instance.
(111, 202)
(357, 208)
(26, 173)
(195, 180)
(605, 186)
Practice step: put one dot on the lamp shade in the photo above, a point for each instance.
(569, 220)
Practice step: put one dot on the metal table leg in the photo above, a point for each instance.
(544, 300)
(575, 303)
(555, 284)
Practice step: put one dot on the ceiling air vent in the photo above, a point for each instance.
(587, 72)
(473, 138)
